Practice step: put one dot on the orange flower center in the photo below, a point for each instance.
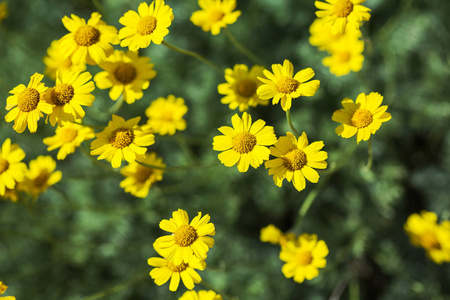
(179, 268)
(87, 36)
(28, 100)
(185, 235)
(125, 73)
(244, 142)
(122, 137)
(146, 25)
(344, 56)
(429, 241)
(287, 85)
(343, 8)
(295, 159)
(304, 258)
(4, 165)
(67, 135)
(143, 174)
(361, 118)
(246, 88)
(216, 15)
(62, 93)
(41, 180)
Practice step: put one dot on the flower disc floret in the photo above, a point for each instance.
(185, 235)
(87, 35)
(146, 25)
(125, 73)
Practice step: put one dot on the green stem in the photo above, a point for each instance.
(195, 55)
(250, 55)
(116, 288)
(183, 143)
(288, 117)
(353, 289)
(115, 108)
(370, 159)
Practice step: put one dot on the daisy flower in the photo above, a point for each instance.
(245, 144)
(3, 10)
(346, 56)
(283, 85)
(122, 140)
(362, 118)
(240, 89)
(56, 61)
(295, 160)
(271, 234)
(4, 287)
(304, 257)
(126, 74)
(12, 169)
(67, 138)
(40, 175)
(72, 90)
(215, 14)
(341, 13)
(188, 240)
(148, 24)
(166, 269)
(139, 177)
(27, 104)
(322, 37)
(424, 232)
(165, 115)
(89, 42)
(200, 295)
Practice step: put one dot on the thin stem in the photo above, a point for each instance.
(115, 108)
(183, 143)
(288, 117)
(353, 289)
(370, 159)
(195, 55)
(250, 55)
(116, 288)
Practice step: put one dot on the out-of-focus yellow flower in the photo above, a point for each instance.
(40, 175)
(56, 61)
(12, 169)
(322, 37)
(275, 236)
(200, 295)
(346, 56)
(165, 115)
(3, 10)
(215, 14)
(126, 74)
(149, 24)
(240, 88)
(3, 288)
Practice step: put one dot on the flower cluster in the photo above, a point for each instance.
(184, 251)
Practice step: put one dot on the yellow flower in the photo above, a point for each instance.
(165, 115)
(139, 178)
(240, 89)
(273, 235)
(12, 170)
(188, 240)
(126, 74)
(215, 14)
(200, 295)
(303, 258)
(149, 24)
(341, 13)
(87, 42)
(423, 231)
(56, 61)
(245, 144)
(283, 85)
(166, 269)
(122, 140)
(295, 160)
(11, 194)
(346, 56)
(40, 175)
(27, 104)
(3, 10)
(322, 37)
(4, 287)
(67, 138)
(72, 90)
(362, 118)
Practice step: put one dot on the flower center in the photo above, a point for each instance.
(343, 8)
(429, 241)
(246, 88)
(185, 235)
(62, 93)
(244, 142)
(146, 25)
(125, 73)
(143, 174)
(68, 135)
(28, 100)
(87, 35)
(304, 258)
(216, 15)
(362, 118)
(122, 137)
(344, 56)
(287, 85)
(4, 165)
(41, 180)
(179, 268)
(295, 159)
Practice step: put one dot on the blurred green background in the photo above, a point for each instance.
(86, 235)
